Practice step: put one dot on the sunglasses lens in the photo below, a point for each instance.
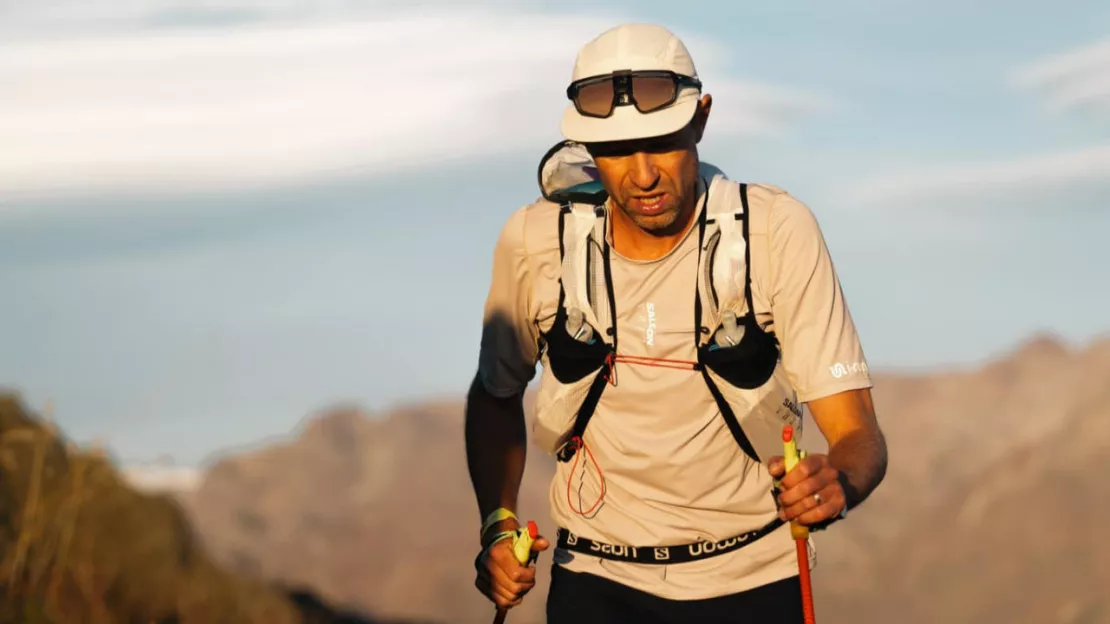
(596, 98)
(652, 92)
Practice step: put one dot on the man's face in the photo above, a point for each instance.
(653, 181)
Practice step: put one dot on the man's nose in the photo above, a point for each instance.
(643, 171)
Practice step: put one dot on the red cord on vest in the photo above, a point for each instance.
(612, 359)
(580, 445)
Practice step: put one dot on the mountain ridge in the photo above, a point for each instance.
(392, 486)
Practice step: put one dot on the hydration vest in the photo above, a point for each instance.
(739, 362)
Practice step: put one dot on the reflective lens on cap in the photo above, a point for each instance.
(596, 98)
(648, 90)
(652, 92)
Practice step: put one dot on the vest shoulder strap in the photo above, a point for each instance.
(585, 282)
(724, 283)
(724, 275)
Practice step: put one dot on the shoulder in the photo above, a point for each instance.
(774, 211)
(531, 229)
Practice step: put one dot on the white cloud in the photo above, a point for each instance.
(959, 184)
(1076, 79)
(279, 102)
(62, 16)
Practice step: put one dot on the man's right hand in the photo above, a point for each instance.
(502, 578)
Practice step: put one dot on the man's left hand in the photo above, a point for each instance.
(811, 492)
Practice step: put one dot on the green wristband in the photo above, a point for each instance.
(496, 516)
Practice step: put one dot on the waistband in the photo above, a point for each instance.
(680, 553)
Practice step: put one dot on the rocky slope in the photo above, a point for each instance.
(373, 513)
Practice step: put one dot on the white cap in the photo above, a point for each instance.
(633, 47)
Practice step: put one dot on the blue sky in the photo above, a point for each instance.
(215, 221)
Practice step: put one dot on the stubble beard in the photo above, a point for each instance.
(671, 221)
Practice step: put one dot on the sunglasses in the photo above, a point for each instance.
(649, 91)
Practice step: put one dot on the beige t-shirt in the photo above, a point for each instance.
(672, 471)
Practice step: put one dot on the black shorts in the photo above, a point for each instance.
(580, 598)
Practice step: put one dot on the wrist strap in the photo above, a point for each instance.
(497, 538)
(496, 516)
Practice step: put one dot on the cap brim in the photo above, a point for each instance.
(627, 123)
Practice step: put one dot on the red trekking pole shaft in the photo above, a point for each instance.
(807, 588)
(798, 531)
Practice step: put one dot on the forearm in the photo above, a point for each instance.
(861, 456)
(496, 443)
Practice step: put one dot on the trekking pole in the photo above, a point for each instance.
(522, 549)
(791, 455)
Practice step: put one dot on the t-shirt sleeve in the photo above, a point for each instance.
(509, 345)
(821, 350)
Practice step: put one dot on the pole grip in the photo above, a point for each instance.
(522, 550)
(791, 456)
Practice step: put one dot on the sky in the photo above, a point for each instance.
(218, 218)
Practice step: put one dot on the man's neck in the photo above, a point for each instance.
(632, 242)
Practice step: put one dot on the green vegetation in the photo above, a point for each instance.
(79, 545)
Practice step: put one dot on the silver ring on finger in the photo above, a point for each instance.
(817, 497)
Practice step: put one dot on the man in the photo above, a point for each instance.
(665, 492)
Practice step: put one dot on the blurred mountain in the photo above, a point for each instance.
(988, 511)
(78, 543)
(1009, 529)
(373, 512)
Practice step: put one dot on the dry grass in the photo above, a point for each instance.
(78, 545)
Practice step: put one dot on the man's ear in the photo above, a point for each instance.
(701, 117)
